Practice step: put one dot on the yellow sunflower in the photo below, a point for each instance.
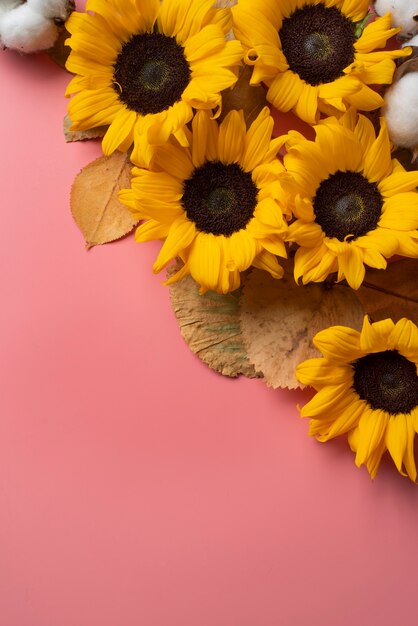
(354, 204)
(217, 204)
(367, 386)
(307, 53)
(142, 66)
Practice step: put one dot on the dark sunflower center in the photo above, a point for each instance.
(388, 381)
(150, 73)
(318, 43)
(346, 204)
(220, 199)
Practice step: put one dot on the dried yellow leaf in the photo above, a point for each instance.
(94, 201)
(280, 318)
(210, 326)
(392, 292)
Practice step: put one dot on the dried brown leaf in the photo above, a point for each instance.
(59, 51)
(407, 158)
(94, 201)
(280, 318)
(81, 135)
(392, 292)
(407, 65)
(210, 326)
(244, 96)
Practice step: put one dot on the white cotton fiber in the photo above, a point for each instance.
(8, 5)
(401, 111)
(26, 30)
(52, 9)
(31, 25)
(403, 13)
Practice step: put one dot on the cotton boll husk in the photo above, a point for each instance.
(26, 30)
(411, 42)
(8, 5)
(403, 12)
(51, 9)
(401, 111)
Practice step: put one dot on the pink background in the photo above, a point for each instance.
(137, 486)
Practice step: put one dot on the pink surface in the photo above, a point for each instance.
(137, 487)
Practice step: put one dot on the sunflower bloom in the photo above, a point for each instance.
(219, 204)
(354, 205)
(142, 66)
(367, 386)
(307, 53)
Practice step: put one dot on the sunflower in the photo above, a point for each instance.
(307, 53)
(217, 204)
(353, 203)
(367, 386)
(142, 66)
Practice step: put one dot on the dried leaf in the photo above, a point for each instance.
(280, 318)
(59, 51)
(392, 292)
(81, 135)
(407, 65)
(94, 201)
(407, 158)
(210, 326)
(244, 96)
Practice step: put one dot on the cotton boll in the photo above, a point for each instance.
(401, 111)
(411, 42)
(8, 5)
(51, 9)
(404, 14)
(26, 30)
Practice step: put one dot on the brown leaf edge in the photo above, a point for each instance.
(81, 135)
(94, 199)
(210, 325)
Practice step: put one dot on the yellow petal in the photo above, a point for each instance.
(257, 140)
(404, 338)
(327, 399)
(268, 262)
(351, 266)
(339, 344)
(204, 260)
(398, 182)
(319, 372)
(396, 439)
(151, 230)
(377, 161)
(285, 91)
(175, 161)
(231, 137)
(400, 212)
(180, 236)
(205, 138)
(243, 249)
(372, 426)
(120, 131)
(374, 337)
